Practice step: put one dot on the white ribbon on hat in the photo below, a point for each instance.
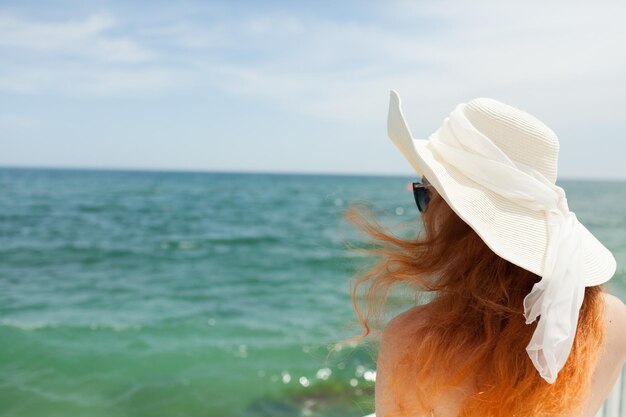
(558, 296)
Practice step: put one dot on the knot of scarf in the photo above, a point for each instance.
(556, 299)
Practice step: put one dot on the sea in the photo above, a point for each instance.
(135, 293)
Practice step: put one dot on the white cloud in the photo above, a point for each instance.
(126, 82)
(86, 40)
(15, 32)
(335, 69)
(187, 36)
(75, 57)
(434, 54)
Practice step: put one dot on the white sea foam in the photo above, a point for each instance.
(38, 325)
(28, 325)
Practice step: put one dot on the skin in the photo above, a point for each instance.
(407, 324)
(397, 331)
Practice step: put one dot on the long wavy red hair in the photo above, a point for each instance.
(475, 326)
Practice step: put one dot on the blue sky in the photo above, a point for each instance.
(299, 86)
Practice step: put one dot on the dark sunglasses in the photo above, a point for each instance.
(421, 194)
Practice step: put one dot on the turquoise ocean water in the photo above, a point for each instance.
(199, 294)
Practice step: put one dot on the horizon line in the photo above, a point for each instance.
(249, 172)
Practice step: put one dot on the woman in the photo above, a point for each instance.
(518, 322)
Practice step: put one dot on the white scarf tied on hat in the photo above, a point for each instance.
(558, 296)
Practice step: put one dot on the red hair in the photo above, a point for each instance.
(475, 326)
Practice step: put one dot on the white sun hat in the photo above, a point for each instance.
(496, 167)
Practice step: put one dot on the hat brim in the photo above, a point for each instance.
(513, 232)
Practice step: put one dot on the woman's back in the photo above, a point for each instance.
(397, 336)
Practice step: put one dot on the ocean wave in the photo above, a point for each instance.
(38, 325)
(245, 240)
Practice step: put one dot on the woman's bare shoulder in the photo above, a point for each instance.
(395, 340)
(615, 321)
(614, 304)
(612, 354)
(406, 322)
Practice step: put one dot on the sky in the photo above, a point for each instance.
(299, 86)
